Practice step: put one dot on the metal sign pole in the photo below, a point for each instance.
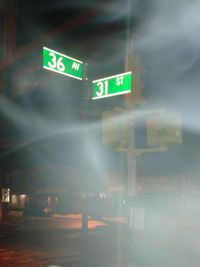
(84, 233)
(84, 229)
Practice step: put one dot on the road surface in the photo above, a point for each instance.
(33, 242)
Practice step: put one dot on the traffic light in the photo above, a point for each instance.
(109, 128)
(164, 128)
(135, 98)
(116, 127)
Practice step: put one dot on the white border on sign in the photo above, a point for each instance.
(62, 54)
(119, 93)
(113, 76)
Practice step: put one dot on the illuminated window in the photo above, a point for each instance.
(14, 199)
(22, 200)
(6, 195)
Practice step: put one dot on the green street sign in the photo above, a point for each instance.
(62, 64)
(113, 85)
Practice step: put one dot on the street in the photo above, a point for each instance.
(38, 241)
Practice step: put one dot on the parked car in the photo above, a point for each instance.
(35, 210)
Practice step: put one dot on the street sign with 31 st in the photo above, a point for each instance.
(62, 64)
(112, 85)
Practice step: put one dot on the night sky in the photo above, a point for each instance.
(46, 119)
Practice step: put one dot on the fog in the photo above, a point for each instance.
(165, 37)
(51, 120)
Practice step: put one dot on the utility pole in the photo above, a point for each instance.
(131, 183)
(132, 100)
